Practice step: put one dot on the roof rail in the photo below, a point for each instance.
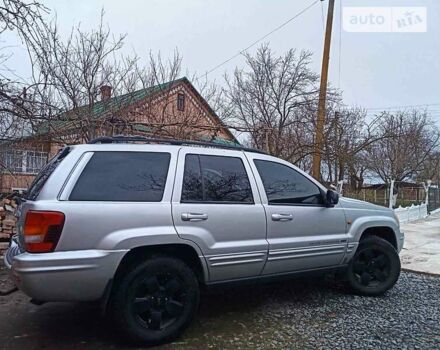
(126, 139)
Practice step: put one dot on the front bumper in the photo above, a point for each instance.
(80, 275)
(401, 241)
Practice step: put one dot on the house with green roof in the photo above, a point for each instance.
(174, 110)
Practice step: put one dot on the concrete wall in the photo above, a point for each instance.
(411, 213)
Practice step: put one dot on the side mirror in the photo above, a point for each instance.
(331, 198)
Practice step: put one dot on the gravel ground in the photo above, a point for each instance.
(311, 314)
(6, 285)
(295, 314)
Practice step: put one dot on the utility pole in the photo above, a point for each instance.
(319, 134)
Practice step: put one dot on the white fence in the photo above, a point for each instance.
(414, 212)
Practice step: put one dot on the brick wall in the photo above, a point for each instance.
(10, 181)
(194, 122)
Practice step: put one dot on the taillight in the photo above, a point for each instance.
(42, 230)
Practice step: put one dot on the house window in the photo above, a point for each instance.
(35, 161)
(20, 190)
(19, 161)
(13, 161)
(180, 102)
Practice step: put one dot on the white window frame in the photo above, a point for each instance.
(39, 160)
(24, 168)
(20, 190)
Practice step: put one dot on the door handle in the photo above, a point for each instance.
(194, 217)
(282, 217)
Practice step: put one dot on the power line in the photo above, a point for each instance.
(399, 111)
(405, 106)
(258, 40)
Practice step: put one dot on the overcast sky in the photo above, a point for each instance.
(377, 69)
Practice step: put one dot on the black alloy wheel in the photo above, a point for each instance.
(159, 300)
(375, 267)
(371, 267)
(155, 300)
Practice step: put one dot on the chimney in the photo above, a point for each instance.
(106, 92)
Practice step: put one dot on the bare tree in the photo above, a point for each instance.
(431, 168)
(412, 137)
(73, 72)
(347, 136)
(76, 69)
(275, 101)
(272, 99)
(17, 101)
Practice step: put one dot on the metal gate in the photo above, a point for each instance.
(433, 199)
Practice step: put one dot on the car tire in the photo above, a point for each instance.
(375, 267)
(154, 301)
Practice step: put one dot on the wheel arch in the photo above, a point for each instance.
(381, 226)
(141, 243)
(182, 251)
(384, 232)
(135, 255)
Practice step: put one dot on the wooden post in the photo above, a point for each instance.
(319, 134)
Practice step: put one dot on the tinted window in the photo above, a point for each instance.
(215, 179)
(192, 179)
(284, 185)
(123, 176)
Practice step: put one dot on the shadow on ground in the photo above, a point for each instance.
(224, 314)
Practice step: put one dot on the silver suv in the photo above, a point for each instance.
(142, 227)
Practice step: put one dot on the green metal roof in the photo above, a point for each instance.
(141, 127)
(100, 108)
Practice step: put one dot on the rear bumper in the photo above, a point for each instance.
(63, 276)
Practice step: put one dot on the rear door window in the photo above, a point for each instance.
(215, 179)
(123, 176)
